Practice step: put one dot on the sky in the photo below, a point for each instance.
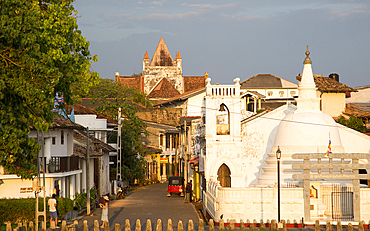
(231, 39)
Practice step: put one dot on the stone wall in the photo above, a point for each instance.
(167, 116)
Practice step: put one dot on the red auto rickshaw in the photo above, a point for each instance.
(175, 186)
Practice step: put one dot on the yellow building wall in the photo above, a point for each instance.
(333, 104)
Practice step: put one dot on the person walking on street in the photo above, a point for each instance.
(104, 214)
(52, 202)
(191, 190)
(188, 192)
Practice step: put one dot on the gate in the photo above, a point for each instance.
(342, 204)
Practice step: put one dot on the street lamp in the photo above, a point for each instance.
(278, 157)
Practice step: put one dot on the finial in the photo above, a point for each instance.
(307, 60)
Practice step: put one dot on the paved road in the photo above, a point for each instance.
(148, 202)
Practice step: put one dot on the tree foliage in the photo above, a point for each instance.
(111, 97)
(352, 122)
(42, 52)
(109, 89)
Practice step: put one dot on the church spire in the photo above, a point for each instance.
(162, 56)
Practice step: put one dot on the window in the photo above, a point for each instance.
(53, 140)
(62, 137)
(281, 93)
(223, 120)
(224, 176)
(161, 138)
(269, 93)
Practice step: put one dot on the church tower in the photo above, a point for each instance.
(162, 68)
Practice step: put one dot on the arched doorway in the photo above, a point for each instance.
(223, 175)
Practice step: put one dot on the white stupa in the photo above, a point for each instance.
(306, 130)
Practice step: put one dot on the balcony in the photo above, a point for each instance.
(60, 164)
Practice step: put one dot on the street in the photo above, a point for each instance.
(147, 202)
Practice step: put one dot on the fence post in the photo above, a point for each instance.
(64, 225)
(190, 225)
(127, 225)
(350, 227)
(339, 226)
(262, 226)
(242, 225)
(138, 225)
(85, 226)
(211, 226)
(284, 224)
(25, 225)
(117, 227)
(180, 226)
(169, 225)
(361, 226)
(96, 225)
(201, 225)
(328, 226)
(317, 225)
(106, 226)
(31, 226)
(232, 224)
(221, 226)
(148, 226)
(8, 226)
(273, 224)
(159, 225)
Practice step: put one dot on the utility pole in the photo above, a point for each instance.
(87, 173)
(119, 156)
(37, 187)
(185, 155)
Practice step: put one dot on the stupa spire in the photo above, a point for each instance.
(307, 60)
(307, 99)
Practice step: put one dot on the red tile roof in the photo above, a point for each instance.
(164, 89)
(131, 81)
(194, 82)
(327, 84)
(360, 110)
(183, 96)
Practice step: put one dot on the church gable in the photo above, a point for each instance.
(164, 89)
(162, 56)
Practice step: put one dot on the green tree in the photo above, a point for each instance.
(111, 97)
(109, 89)
(42, 52)
(352, 122)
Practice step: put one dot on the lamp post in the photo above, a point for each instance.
(278, 157)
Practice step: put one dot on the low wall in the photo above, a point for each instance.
(258, 204)
(261, 204)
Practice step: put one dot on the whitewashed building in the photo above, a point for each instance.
(240, 166)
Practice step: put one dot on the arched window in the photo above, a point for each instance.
(223, 175)
(223, 120)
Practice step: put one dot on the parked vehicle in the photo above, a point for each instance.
(175, 186)
(122, 191)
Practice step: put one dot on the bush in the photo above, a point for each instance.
(16, 210)
(80, 200)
